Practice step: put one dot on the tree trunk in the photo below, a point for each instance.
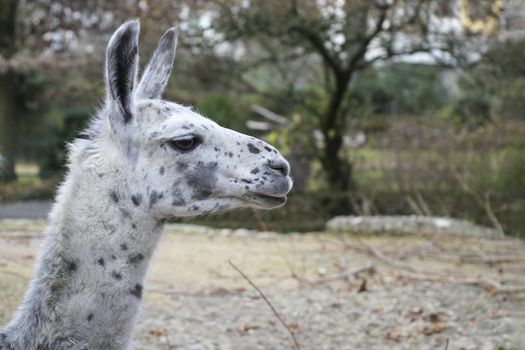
(337, 168)
(7, 128)
(7, 98)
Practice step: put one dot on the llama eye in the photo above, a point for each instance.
(185, 144)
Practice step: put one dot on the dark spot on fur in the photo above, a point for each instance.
(116, 275)
(203, 178)
(267, 148)
(178, 199)
(230, 154)
(253, 149)
(90, 317)
(135, 258)
(153, 198)
(114, 196)
(124, 246)
(136, 199)
(195, 207)
(113, 257)
(101, 262)
(133, 226)
(72, 266)
(246, 181)
(182, 166)
(124, 212)
(136, 291)
(161, 170)
(254, 171)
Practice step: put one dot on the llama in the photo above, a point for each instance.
(140, 162)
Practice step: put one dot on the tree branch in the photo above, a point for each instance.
(363, 47)
(292, 334)
(317, 42)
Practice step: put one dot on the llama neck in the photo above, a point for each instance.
(90, 275)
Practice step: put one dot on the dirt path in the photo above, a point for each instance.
(195, 300)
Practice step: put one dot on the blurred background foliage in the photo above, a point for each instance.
(382, 107)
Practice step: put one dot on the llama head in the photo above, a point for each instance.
(176, 162)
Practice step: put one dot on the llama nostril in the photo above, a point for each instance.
(279, 165)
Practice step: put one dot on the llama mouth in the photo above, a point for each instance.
(265, 201)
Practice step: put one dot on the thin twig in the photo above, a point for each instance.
(167, 339)
(296, 344)
(446, 344)
(411, 273)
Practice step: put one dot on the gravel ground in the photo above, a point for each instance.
(195, 300)
(407, 317)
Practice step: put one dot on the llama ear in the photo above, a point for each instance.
(121, 69)
(157, 73)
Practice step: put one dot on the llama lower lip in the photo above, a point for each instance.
(265, 201)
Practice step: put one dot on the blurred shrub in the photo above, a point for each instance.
(63, 126)
(374, 125)
(471, 106)
(26, 188)
(494, 88)
(503, 175)
(401, 88)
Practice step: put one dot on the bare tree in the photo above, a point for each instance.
(52, 37)
(333, 41)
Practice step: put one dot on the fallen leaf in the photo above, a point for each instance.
(414, 314)
(294, 327)
(363, 287)
(156, 333)
(394, 335)
(434, 317)
(247, 329)
(434, 329)
(498, 314)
